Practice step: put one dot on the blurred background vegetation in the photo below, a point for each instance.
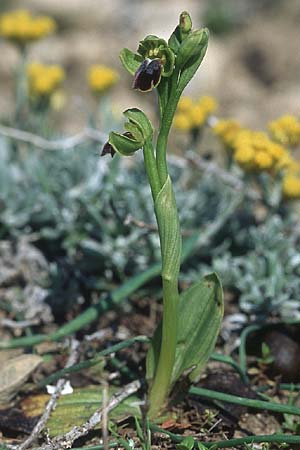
(251, 67)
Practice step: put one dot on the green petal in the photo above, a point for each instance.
(170, 62)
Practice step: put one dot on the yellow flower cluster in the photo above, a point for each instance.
(291, 185)
(101, 78)
(286, 130)
(253, 150)
(21, 27)
(191, 115)
(227, 131)
(44, 79)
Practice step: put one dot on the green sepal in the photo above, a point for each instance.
(123, 144)
(141, 121)
(130, 61)
(193, 63)
(169, 231)
(191, 47)
(200, 313)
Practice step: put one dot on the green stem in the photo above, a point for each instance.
(151, 168)
(231, 443)
(166, 122)
(162, 379)
(21, 85)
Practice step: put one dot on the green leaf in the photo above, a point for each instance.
(123, 144)
(192, 64)
(186, 444)
(169, 231)
(76, 408)
(130, 61)
(199, 320)
(201, 311)
(139, 118)
(203, 447)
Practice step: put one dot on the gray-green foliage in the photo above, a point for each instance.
(268, 276)
(76, 204)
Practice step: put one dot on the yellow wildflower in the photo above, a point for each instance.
(196, 113)
(182, 122)
(286, 130)
(263, 160)
(208, 104)
(244, 156)
(21, 27)
(101, 78)
(227, 131)
(286, 162)
(197, 116)
(44, 79)
(291, 186)
(184, 104)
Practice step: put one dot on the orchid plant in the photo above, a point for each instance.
(184, 340)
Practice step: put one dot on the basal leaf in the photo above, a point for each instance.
(199, 320)
(76, 408)
(200, 314)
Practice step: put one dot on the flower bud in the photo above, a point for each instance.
(191, 47)
(185, 24)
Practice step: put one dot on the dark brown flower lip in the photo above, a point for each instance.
(108, 148)
(148, 75)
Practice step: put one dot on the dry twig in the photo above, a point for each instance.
(57, 144)
(52, 402)
(66, 440)
(9, 323)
